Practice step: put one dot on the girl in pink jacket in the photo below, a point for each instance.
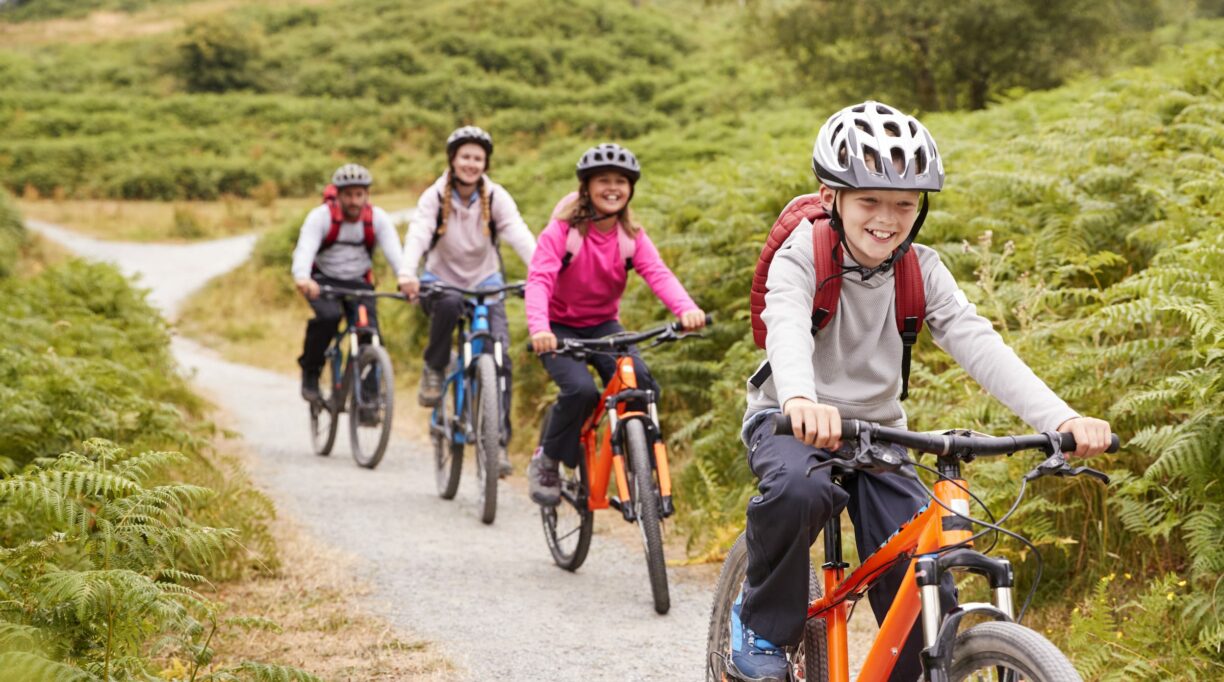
(574, 286)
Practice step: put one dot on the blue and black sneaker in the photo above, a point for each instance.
(754, 659)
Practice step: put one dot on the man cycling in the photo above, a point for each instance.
(335, 247)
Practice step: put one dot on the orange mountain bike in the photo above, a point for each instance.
(938, 539)
(631, 448)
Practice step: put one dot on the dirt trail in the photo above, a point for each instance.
(489, 596)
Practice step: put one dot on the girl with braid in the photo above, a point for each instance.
(458, 224)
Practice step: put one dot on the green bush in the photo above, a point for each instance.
(12, 235)
(218, 55)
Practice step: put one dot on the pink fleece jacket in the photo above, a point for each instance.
(588, 292)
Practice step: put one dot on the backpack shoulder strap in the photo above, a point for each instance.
(910, 309)
(804, 207)
(367, 222)
(573, 244)
(337, 217)
(439, 225)
(628, 247)
(827, 254)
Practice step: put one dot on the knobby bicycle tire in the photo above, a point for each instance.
(570, 518)
(325, 412)
(371, 359)
(448, 455)
(812, 653)
(997, 647)
(646, 502)
(486, 419)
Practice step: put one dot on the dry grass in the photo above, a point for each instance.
(178, 221)
(324, 627)
(148, 221)
(105, 26)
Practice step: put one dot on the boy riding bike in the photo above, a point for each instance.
(458, 224)
(574, 287)
(335, 248)
(845, 359)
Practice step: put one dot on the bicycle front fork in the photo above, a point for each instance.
(938, 633)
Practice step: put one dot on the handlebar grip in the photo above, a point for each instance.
(677, 327)
(1068, 443)
(784, 427)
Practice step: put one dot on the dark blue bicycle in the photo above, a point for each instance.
(470, 411)
(357, 379)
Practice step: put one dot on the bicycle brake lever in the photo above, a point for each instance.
(823, 465)
(1086, 471)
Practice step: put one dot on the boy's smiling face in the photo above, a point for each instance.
(876, 221)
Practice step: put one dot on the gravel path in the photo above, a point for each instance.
(488, 595)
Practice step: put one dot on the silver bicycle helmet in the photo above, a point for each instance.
(874, 146)
(466, 134)
(608, 156)
(350, 175)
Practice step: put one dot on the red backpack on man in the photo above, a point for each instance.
(827, 247)
(331, 197)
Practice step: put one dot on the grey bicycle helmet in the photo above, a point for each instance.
(874, 146)
(608, 156)
(351, 175)
(466, 134)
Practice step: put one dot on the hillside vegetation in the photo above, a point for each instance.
(1085, 222)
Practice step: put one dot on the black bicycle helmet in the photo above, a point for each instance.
(608, 156)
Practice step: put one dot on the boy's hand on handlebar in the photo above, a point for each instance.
(1092, 435)
(543, 342)
(410, 287)
(308, 288)
(693, 320)
(814, 424)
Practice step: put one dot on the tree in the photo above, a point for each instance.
(935, 55)
(217, 55)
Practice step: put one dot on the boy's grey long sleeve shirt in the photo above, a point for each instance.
(854, 363)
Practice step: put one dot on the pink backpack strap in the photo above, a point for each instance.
(628, 247)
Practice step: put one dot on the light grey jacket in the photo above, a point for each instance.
(854, 363)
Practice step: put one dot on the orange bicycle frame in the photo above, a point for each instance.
(934, 528)
(601, 459)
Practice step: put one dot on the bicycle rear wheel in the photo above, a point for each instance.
(808, 661)
(486, 403)
(448, 455)
(646, 503)
(371, 405)
(1008, 651)
(324, 412)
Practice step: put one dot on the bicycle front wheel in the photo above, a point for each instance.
(1008, 651)
(568, 526)
(371, 405)
(448, 455)
(808, 661)
(487, 419)
(324, 412)
(646, 504)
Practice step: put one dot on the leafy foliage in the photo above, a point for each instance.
(12, 235)
(217, 55)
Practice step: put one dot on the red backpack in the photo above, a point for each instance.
(331, 197)
(826, 245)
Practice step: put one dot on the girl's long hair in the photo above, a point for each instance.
(581, 212)
(482, 189)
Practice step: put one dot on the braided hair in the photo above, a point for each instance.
(483, 191)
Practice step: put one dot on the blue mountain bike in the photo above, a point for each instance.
(470, 411)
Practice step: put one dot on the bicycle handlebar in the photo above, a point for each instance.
(951, 444)
(336, 292)
(481, 293)
(620, 340)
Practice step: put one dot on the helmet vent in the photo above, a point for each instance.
(913, 128)
(858, 109)
(920, 161)
(837, 130)
(881, 109)
(871, 159)
(891, 129)
(864, 126)
(898, 159)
